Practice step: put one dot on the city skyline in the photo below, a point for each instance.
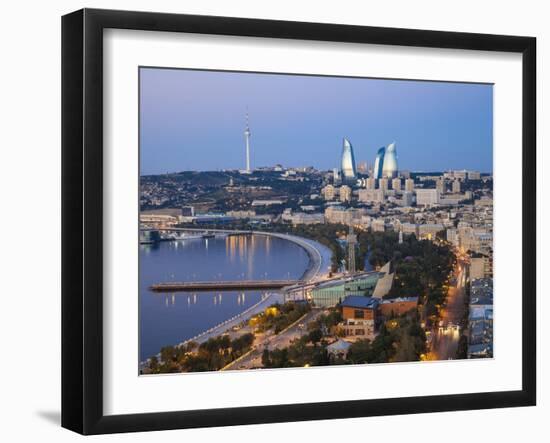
(301, 121)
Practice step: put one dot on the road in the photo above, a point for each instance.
(446, 336)
(271, 341)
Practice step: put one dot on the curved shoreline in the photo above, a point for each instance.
(315, 267)
(312, 247)
(312, 250)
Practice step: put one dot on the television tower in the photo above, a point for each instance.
(247, 141)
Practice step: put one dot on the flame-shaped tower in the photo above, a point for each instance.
(389, 170)
(348, 162)
(379, 162)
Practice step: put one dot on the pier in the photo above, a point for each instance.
(238, 285)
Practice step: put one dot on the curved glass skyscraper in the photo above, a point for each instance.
(379, 162)
(348, 162)
(389, 169)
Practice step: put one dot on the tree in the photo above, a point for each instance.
(153, 363)
(315, 336)
(266, 362)
(359, 351)
(167, 354)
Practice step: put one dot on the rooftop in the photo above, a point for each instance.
(338, 345)
(399, 300)
(343, 280)
(359, 301)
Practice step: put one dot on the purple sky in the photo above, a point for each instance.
(194, 120)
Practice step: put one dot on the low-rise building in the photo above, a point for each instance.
(338, 349)
(407, 199)
(481, 266)
(371, 195)
(429, 231)
(409, 228)
(359, 314)
(480, 318)
(452, 236)
(338, 214)
(241, 214)
(302, 218)
(267, 202)
(427, 197)
(378, 225)
(332, 292)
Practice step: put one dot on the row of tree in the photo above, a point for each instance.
(278, 317)
(211, 355)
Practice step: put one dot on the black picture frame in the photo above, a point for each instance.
(82, 218)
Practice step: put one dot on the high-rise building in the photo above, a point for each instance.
(389, 168)
(329, 192)
(349, 171)
(352, 241)
(247, 142)
(440, 185)
(345, 193)
(407, 199)
(379, 162)
(383, 184)
(396, 184)
(474, 175)
(409, 185)
(456, 186)
(371, 183)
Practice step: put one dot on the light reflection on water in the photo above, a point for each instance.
(167, 319)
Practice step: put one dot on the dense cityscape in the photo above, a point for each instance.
(400, 262)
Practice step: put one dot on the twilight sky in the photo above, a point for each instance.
(194, 120)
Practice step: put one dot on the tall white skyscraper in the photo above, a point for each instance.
(349, 172)
(247, 141)
(389, 167)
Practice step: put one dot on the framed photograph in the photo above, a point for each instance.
(268, 221)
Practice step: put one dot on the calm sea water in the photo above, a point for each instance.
(168, 319)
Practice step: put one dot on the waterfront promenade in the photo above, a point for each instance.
(270, 299)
